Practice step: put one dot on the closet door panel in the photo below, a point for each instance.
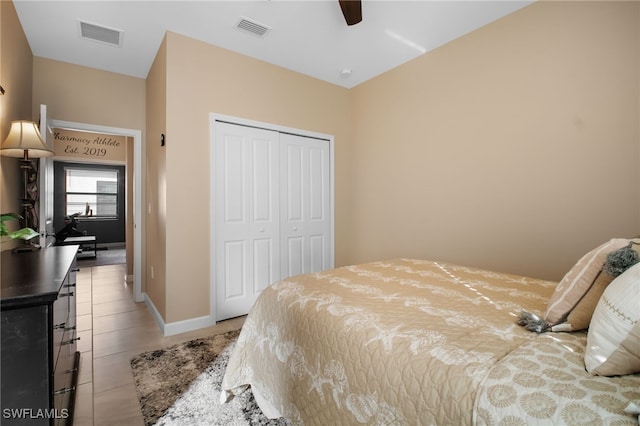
(265, 219)
(318, 184)
(317, 248)
(234, 270)
(247, 234)
(234, 177)
(294, 196)
(306, 176)
(295, 256)
(263, 186)
(263, 264)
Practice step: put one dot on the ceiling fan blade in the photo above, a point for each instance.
(352, 11)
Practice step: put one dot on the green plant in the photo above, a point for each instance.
(23, 233)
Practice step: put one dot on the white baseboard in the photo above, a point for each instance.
(154, 312)
(177, 327)
(187, 325)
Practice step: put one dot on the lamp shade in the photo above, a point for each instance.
(24, 136)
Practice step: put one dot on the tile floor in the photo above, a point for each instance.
(112, 328)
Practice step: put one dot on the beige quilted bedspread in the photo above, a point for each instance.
(394, 342)
(544, 382)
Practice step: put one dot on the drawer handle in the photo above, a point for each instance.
(73, 370)
(59, 326)
(67, 294)
(69, 285)
(70, 328)
(70, 341)
(64, 390)
(75, 270)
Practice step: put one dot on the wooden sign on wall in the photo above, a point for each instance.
(89, 146)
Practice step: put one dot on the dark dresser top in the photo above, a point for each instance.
(32, 278)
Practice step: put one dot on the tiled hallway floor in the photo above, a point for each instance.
(112, 328)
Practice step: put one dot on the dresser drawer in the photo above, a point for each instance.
(65, 380)
(70, 286)
(64, 377)
(68, 345)
(63, 374)
(61, 403)
(60, 318)
(61, 322)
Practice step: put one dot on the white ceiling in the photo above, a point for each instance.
(307, 36)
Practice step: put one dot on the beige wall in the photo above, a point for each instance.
(90, 96)
(156, 184)
(87, 95)
(203, 79)
(513, 148)
(15, 77)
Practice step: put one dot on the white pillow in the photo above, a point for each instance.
(613, 340)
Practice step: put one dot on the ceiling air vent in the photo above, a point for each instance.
(101, 34)
(252, 27)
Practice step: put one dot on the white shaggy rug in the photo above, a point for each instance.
(181, 386)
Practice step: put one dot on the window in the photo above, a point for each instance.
(91, 192)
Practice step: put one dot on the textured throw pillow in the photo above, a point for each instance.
(622, 259)
(613, 340)
(580, 316)
(577, 283)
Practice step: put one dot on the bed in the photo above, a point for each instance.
(409, 341)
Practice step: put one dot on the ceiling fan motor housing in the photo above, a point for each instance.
(352, 11)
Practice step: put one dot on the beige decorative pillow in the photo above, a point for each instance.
(580, 316)
(577, 282)
(613, 340)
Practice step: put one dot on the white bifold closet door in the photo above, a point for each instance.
(272, 212)
(305, 223)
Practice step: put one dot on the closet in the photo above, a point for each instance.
(272, 211)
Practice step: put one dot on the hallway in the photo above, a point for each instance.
(112, 329)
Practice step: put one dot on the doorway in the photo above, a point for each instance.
(138, 174)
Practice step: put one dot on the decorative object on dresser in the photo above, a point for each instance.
(24, 141)
(23, 233)
(39, 360)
